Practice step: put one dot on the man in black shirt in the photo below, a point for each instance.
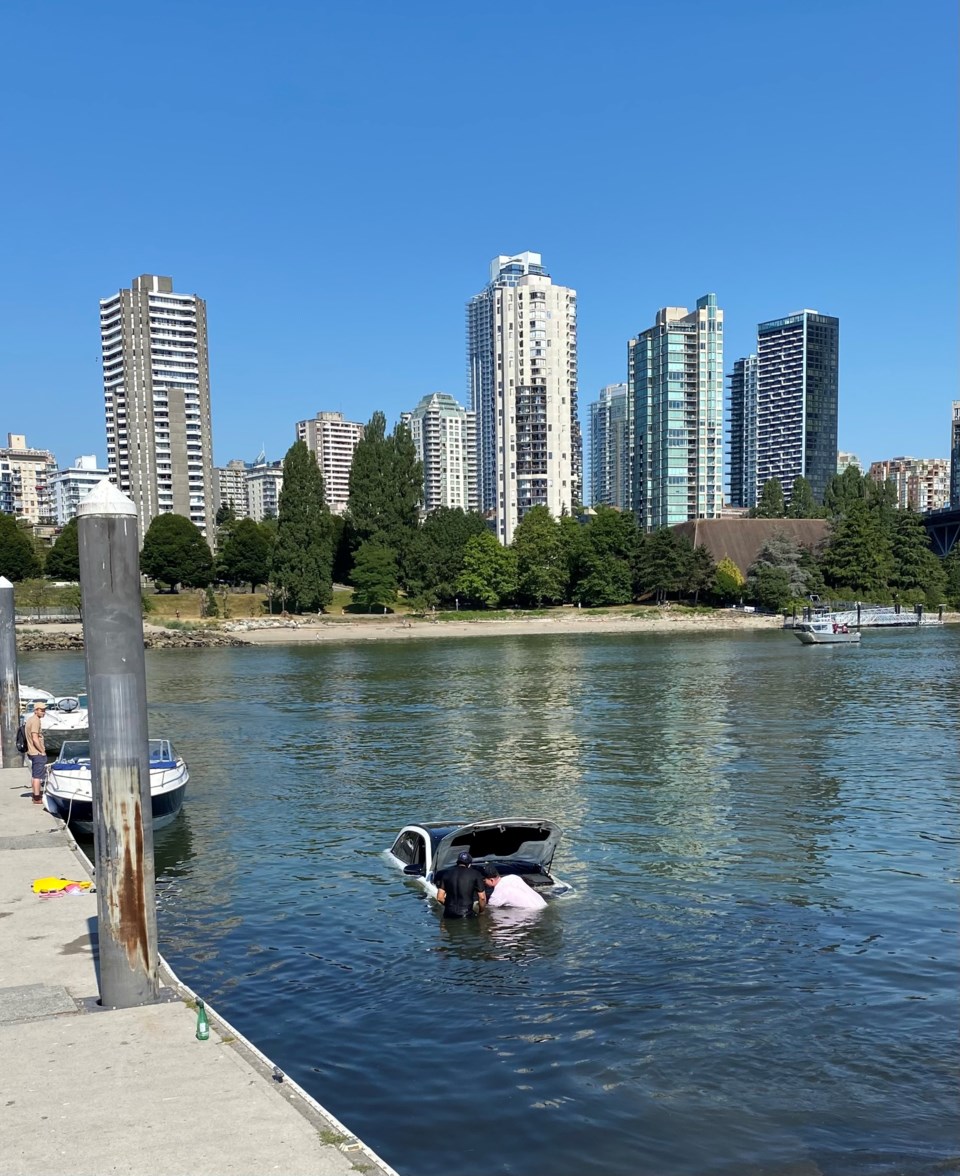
(459, 886)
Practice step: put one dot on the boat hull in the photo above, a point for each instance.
(77, 811)
(827, 638)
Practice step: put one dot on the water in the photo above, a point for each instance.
(756, 973)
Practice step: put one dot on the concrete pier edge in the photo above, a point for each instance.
(303, 1101)
(331, 1131)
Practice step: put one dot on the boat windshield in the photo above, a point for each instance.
(78, 750)
(74, 751)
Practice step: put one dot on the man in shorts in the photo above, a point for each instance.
(36, 751)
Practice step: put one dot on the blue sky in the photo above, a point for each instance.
(334, 180)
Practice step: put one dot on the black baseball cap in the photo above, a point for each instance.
(464, 859)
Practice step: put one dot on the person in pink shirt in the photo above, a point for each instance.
(510, 890)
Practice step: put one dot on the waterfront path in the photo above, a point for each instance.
(130, 1091)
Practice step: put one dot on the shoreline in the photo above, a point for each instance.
(59, 636)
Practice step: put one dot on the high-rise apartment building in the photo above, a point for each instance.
(955, 457)
(232, 486)
(922, 484)
(797, 393)
(156, 385)
(742, 417)
(332, 441)
(846, 460)
(70, 486)
(522, 361)
(26, 481)
(675, 390)
(264, 483)
(445, 437)
(610, 448)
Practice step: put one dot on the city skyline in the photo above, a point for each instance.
(323, 218)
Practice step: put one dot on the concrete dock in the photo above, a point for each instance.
(90, 1091)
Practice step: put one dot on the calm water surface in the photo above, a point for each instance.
(757, 972)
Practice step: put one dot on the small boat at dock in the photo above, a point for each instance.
(823, 629)
(68, 793)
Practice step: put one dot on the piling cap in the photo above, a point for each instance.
(106, 499)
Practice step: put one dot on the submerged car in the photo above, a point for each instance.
(515, 845)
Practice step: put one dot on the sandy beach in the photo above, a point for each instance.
(566, 621)
(293, 631)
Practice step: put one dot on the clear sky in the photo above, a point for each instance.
(335, 178)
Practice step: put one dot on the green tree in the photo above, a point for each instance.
(542, 573)
(63, 559)
(18, 559)
(802, 502)
(599, 557)
(489, 576)
(175, 552)
(770, 588)
(34, 593)
(783, 552)
(914, 564)
(857, 555)
(770, 505)
(302, 561)
(843, 490)
(664, 564)
(435, 553)
(701, 572)
(386, 489)
(374, 575)
(71, 597)
(728, 581)
(245, 556)
(226, 513)
(951, 571)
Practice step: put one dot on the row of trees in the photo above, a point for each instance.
(874, 551)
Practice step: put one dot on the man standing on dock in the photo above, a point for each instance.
(36, 750)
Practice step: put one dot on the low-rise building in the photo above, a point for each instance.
(70, 486)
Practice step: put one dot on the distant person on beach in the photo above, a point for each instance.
(511, 891)
(36, 749)
(458, 886)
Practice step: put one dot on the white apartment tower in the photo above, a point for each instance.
(522, 359)
(156, 386)
(264, 483)
(232, 483)
(332, 441)
(71, 486)
(444, 435)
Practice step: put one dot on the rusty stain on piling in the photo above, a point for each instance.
(131, 903)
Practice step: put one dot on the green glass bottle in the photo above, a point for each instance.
(203, 1025)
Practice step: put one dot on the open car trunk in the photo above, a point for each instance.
(524, 847)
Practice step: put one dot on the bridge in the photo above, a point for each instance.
(943, 527)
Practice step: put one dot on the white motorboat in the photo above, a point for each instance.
(68, 793)
(31, 694)
(65, 718)
(823, 629)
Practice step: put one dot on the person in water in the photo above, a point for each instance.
(511, 891)
(459, 886)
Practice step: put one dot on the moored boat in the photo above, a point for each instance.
(65, 718)
(823, 629)
(68, 793)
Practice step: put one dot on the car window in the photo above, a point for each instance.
(405, 848)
